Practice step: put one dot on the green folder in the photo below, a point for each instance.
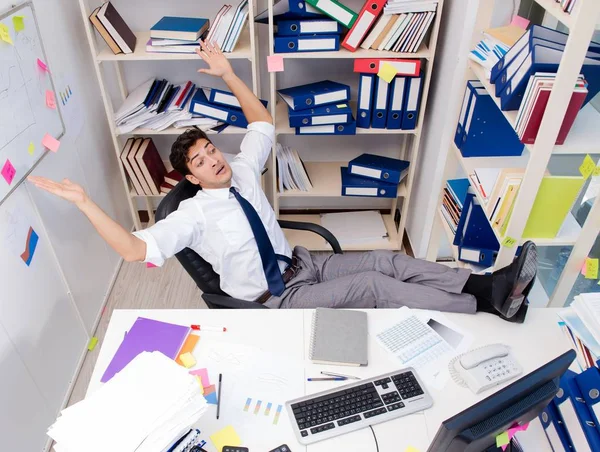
(335, 10)
(554, 201)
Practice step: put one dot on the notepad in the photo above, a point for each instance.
(339, 337)
(147, 335)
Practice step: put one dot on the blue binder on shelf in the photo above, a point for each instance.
(333, 129)
(555, 429)
(459, 136)
(225, 98)
(378, 167)
(380, 103)
(589, 385)
(545, 59)
(395, 104)
(329, 114)
(536, 31)
(313, 43)
(474, 237)
(366, 88)
(230, 115)
(290, 9)
(360, 186)
(315, 95)
(575, 414)
(487, 133)
(300, 27)
(412, 99)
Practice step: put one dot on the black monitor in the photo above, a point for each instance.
(475, 429)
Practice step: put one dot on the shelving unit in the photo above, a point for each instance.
(325, 176)
(246, 49)
(584, 138)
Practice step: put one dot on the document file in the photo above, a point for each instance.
(315, 94)
(459, 136)
(200, 105)
(366, 18)
(314, 43)
(365, 100)
(411, 68)
(329, 114)
(379, 167)
(382, 89)
(335, 10)
(333, 129)
(308, 27)
(361, 186)
(411, 105)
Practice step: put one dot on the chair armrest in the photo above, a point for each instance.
(227, 302)
(317, 229)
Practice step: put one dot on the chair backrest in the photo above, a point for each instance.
(201, 271)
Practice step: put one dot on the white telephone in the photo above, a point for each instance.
(484, 367)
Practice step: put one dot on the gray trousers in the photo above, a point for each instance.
(375, 279)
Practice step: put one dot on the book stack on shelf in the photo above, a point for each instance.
(319, 108)
(455, 194)
(145, 168)
(176, 35)
(388, 105)
(228, 24)
(113, 29)
(291, 172)
(374, 176)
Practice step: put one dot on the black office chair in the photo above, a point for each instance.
(202, 273)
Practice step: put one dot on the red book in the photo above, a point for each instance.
(173, 177)
(366, 18)
(166, 187)
(151, 165)
(533, 125)
(184, 93)
(409, 68)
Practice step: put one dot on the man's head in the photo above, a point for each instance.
(194, 156)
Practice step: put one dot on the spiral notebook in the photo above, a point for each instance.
(339, 337)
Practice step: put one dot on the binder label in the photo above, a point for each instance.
(336, 11)
(321, 26)
(573, 425)
(415, 87)
(330, 97)
(361, 191)
(316, 44)
(360, 28)
(368, 172)
(333, 119)
(226, 99)
(365, 93)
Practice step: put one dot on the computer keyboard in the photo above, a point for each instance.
(356, 405)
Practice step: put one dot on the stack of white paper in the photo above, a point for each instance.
(145, 407)
(355, 227)
(292, 174)
(587, 307)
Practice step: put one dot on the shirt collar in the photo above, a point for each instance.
(221, 193)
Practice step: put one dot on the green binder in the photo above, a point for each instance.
(554, 201)
(335, 10)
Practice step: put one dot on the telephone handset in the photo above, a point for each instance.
(484, 367)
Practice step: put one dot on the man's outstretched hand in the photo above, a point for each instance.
(218, 65)
(65, 189)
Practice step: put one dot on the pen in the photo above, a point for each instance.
(333, 374)
(328, 379)
(208, 328)
(219, 396)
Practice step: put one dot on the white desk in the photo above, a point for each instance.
(287, 332)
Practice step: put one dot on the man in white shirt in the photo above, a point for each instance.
(231, 225)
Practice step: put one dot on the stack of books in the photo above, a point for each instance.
(319, 108)
(581, 325)
(291, 172)
(144, 167)
(388, 105)
(228, 25)
(172, 178)
(374, 176)
(176, 35)
(534, 105)
(158, 104)
(455, 194)
(113, 29)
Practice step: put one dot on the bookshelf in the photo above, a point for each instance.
(325, 175)
(584, 138)
(105, 60)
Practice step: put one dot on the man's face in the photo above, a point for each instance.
(208, 166)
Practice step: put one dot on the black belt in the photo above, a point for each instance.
(287, 275)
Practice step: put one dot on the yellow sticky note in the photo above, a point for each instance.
(411, 449)
(591, 268)
(341, 106)
(587, 167)
(387, 72)
(5, 34)
(502, 439)
(596, 171)
(92, 343)
(225, 437)
(18, 23)
(31, 148)
(188, 360)
(509, 242)
(200, 384)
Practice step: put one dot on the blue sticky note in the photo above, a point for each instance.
(211, 398)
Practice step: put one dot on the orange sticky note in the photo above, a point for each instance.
(187, 347)
(49, 142)
(18, 23)
(520, 22)
(275, 63)
(5, 34)
(50, 99)
(387, 72)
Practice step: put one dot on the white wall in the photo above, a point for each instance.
(49, 309)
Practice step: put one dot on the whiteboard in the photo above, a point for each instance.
(24, 116)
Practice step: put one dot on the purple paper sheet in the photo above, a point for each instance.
(147, 335)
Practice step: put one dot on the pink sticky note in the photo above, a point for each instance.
(504, 447)
(520, 22)
(8, 172)
(150, 265)
(50, 99)
(203, 374)
(275, 63)
(51, 143)
(584, 267)
(42, 66)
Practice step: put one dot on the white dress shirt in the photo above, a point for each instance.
(213, 224)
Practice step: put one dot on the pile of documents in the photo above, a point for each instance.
(389, 93)
(534, 105)
(291, 172)
(158, 104)
(147, 406)
(355, 228)
(581, 325)
(319, 108)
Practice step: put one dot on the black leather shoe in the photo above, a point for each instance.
(511, 285)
